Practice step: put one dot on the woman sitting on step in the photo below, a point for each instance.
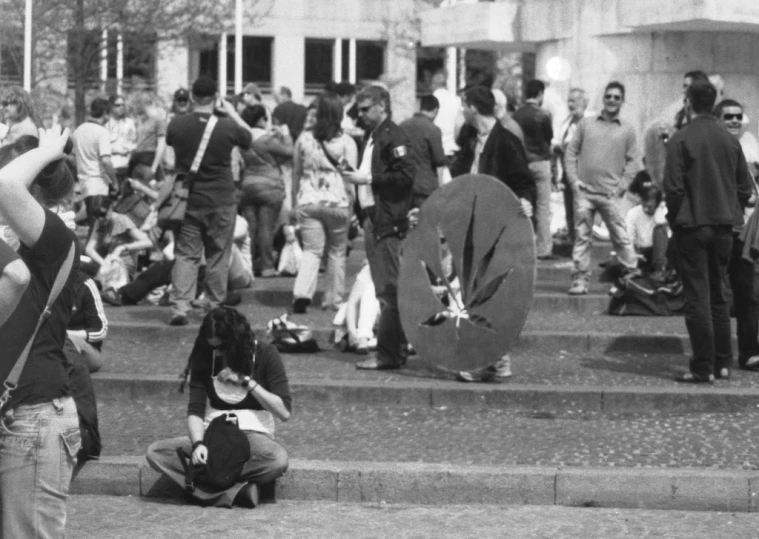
(232, 374)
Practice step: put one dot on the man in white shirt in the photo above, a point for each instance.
(449, 114)
(92, 150)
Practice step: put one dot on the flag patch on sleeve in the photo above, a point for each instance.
(399, 151)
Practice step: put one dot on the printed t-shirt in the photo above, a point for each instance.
(214, 185)
(44, 378)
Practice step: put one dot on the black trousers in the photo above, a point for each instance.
(384, 263)
(703, 255)
(741, 274)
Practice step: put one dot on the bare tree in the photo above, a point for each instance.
(67, 32)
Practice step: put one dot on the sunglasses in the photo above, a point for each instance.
(182, 101)
(613, 97)
(6, 103)
(366, 108)
(729, 117)
(118, 104)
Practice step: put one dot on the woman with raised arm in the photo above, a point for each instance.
(39, 429)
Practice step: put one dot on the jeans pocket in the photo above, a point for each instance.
(19, 437)
(71, 442)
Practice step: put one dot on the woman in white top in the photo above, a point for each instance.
(323, 203)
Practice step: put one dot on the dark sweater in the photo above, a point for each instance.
(269, 372)
(537, 127)
(706, 179)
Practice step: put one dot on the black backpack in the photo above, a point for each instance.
(228, 451)
(643, 296)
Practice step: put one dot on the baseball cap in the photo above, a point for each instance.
(204, 87)
(182, 93)
(252, 88)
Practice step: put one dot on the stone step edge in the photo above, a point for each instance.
(694, 489)
(439, 393)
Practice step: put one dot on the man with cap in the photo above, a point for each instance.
(209, 222)
(251, 94)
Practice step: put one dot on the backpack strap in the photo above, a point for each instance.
(11, 382)
(201, 150)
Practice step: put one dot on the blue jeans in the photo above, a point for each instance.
(38, 447)
(262, 224)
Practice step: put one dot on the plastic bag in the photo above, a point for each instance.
(113, 273)
(289, 259)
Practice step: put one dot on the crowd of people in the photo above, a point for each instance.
(84, 222)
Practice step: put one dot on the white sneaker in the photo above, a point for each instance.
(503, 368)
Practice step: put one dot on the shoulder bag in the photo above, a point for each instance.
(172, 200)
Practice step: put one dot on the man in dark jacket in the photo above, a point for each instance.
(497, 151)
(388, 169)
(707, 184)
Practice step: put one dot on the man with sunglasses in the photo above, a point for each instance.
(740, 270)
(123, 137)
(385, 181)
(601, 161)
(707, 185)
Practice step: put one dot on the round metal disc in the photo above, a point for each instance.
(473, 222)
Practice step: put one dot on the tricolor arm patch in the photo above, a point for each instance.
(399, 151)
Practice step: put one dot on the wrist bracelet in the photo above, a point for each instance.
(254, 388)
(196, 444)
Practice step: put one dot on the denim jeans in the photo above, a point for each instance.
(268, 461)
(38, 447)
(540, 171)
(322, 227)
(209, 230)
(586, 206)
(704, 253)
(741, 274)
(262, 222)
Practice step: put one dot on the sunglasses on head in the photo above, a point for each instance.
(729, 117)
(613, 97)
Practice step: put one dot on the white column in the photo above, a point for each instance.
(352, 61)
(119, 63)
(28, 46)
(103, 59)
(238, 46)
(223, 65)
(451, 66)
(289, 64)
(337, 61)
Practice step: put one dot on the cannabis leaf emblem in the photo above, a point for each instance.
(461, 296)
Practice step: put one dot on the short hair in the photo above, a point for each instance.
(649, 193)
(429, 103)
(252, 114)
(344, 89)
(99, 107)
(534, 88)
(376, 94)
(580, 91)
(616, 84)
(702, 94)
(725, 103)
(695, 75)
(482, 99)
(285, 91)
(640, 183)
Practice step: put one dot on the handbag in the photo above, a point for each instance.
(11, 382)
(135, 207)
(172, 199)
(291, 338)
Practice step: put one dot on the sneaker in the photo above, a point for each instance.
(111, 297)
(300, 305)
(752, 364)
(503, 368)
(362, 346)
(178, 320)
(268, 273)
(578, 288)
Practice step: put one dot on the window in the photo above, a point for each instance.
(319, 61)
(370, 60)
(139, 55)
(256, 59)
(429, 60)
(11, 59)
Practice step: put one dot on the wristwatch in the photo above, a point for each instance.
(245, 381)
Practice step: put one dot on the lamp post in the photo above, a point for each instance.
(28, 46)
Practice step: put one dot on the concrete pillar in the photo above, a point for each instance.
(352, 61)
(119, 63)
(172, 66)
(223, 65)
(337, 61)
(103, 60)
(289, 66)
(238, 46)
(451, 68)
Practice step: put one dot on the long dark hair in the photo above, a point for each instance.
(329, 116)
(237, 341)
